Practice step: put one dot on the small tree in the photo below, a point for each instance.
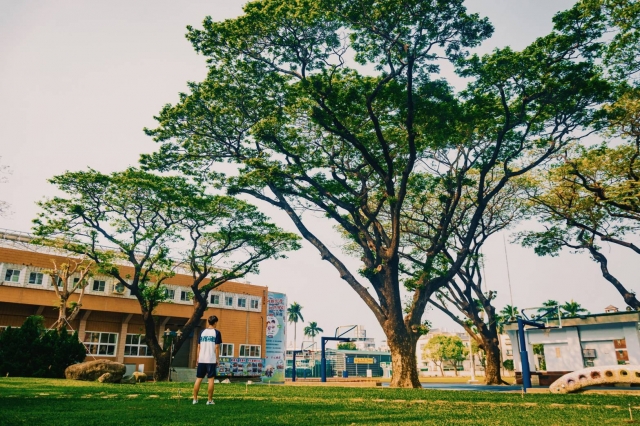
(347, 346)
(312, 330)
(435, 350)
(508, 364)
(65, 283)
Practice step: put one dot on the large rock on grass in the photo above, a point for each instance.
(92, 370)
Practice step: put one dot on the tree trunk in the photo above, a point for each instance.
(62, 314)
(491, 347)
(163, 363)
(492, 374)
(455, 369)
(403, 359)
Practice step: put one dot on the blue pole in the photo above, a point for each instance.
(323, 361)
(524, 357)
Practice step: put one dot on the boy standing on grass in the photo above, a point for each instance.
(208, 351)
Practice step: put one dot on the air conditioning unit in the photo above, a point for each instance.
(118, 288)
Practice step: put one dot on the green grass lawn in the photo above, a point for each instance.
(61, 402)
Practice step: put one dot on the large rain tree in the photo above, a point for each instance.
(153, 226)
(332, 107)
(592, 196)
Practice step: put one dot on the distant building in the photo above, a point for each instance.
(110, 323)
(586, 341)
(609, 309)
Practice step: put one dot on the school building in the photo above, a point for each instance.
(110, 323)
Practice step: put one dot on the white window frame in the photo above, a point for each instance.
(211, 301)
(256, 302)
(228, 301)
(226, 350)
(184, 296)
(139, 345)
(241, 302)
(170, 293)
(250, 348)
(36, 281)
(13, 271)
(99, 344)
(104, 286)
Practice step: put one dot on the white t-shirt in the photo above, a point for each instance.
(209, 338)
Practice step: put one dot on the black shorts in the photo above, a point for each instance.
(208, 370)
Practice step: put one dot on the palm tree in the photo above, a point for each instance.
(549, 304)
(509, 313)
(294, 315)
(312, 330)
(572, 309)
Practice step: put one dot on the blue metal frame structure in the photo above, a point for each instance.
(323, 342)
(524, 356)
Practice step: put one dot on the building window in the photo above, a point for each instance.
(226, 349)
(509, 352)
(35, 278)
(12, 275)
(242, 302)
(215, 299)
(249, 351)
(228, 300)
(101, 343)
(254, 303)
(136, 345)
(169, 294)
(186, 295)
(99, 285)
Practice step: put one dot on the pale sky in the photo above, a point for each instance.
(80, 79)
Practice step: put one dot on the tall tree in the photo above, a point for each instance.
(286, 101)
(312, 330)
(294, 314)
(593, 196)
(467, 292)
(143, 217)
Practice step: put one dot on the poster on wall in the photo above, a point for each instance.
(240, 367)
(276, 334)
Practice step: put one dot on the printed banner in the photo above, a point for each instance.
(276, 338)
(240, 367)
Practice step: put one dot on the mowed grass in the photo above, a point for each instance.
(63, 402)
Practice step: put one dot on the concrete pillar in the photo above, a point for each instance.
(83, 325)
(122, 338)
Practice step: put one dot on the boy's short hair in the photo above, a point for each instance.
(212, 319)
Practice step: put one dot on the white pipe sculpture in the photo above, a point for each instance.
(591, 376)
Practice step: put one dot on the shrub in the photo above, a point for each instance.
(508, 364)
(33, 351)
